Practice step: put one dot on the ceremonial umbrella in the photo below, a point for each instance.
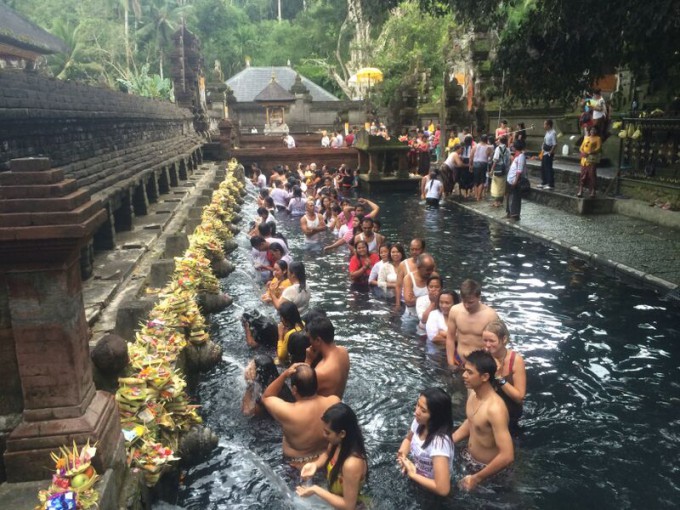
(369, 74)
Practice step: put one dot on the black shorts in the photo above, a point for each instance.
(479, 173)
(432, 202)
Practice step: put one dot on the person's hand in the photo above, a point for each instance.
(308, 470)
(468, 483)
(407, 467)
(291, 369)
(361, 200)
(305, 492)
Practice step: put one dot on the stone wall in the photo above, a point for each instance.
(125, 149)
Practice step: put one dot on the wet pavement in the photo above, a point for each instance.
(628, 246)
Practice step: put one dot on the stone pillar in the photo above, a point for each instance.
(374, 166)
(140, 203)
(43, 226)
(402, 168)
(225, 127)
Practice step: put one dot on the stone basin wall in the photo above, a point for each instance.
(125, 149)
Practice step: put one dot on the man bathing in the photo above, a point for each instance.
(303, 436)
(466, 323)
(489, 447)
(330, 361)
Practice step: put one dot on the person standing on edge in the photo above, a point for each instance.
(489, 448)
(599, 108)
(548, 148)
(517, 169)
(479, 163)
(499, 168)
(590, 157)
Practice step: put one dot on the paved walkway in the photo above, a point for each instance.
(629, 246)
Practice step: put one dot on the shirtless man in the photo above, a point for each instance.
(330, 361)
(367, 234)
(489, 447)
(466, 323)
(303, 437)
(407, 266)
(312, 224)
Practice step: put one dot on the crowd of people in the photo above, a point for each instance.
(299, 374)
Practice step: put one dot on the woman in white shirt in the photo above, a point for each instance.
(387, 277)
(297, 293)
(428, 443)
(437, 322)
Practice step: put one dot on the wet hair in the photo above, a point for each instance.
(441, 417)
(297, 347)
(340, 417)
(264, 229)
(262, 211)
(400, 249)
(297, 192)
(483, 362)
(256, 241)
(422, 258)
(356, 245)
(265, 370)
(499, 329)
(298, 269)
(323, 328)
(304, 380)
(274, 232)
(376, 224)
(269, 201)
(315, 313)
(421, 241)
(470, 288)
(435, 277)
(366, 219)
(281, 263)
(290, 316)
(276, 247)
(448, 292)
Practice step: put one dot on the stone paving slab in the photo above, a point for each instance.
(645, 251)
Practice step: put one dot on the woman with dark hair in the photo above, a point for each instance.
(279, 283)
(297, 347)
(387, 277)
(297, 293)
(277, 252)
(361, 263)
(259, 374)
(296, 205)
(344, 460)
(428, 442)
(436, 325)
(290, 323)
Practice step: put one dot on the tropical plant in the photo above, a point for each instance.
(142, 84)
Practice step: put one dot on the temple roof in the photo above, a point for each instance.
(274, 93)
(250, 82)
(19, 32)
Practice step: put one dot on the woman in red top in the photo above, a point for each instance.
(361, 263)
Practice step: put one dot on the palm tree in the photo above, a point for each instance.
(161, 19)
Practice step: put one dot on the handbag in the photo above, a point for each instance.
(524, 186)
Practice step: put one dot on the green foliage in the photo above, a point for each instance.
(143, 84)
(411, 38)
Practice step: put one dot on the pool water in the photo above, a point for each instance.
(601, 426)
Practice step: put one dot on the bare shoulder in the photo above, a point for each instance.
(490, 312)
(497, 410)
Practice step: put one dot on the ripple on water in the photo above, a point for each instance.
(600, 427)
